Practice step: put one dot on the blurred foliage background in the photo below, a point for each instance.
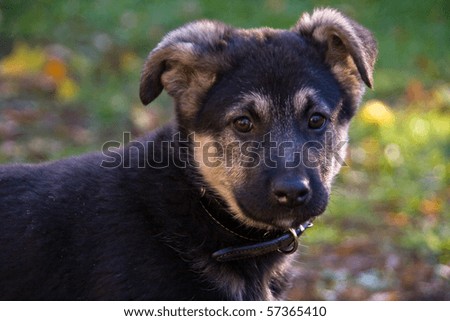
(69, 75)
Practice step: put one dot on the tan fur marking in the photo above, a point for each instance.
(262, 103)
(222, 178)
(350, 58)
(185, 64)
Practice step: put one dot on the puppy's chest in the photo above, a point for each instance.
(249, 279)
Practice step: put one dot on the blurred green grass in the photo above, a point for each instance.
(413, 35)
(77, 86)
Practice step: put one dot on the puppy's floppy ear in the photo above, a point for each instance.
(343, 38)
(185, 62)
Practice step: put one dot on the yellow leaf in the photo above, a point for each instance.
(67, 90)
(22, 60)
(377, 112)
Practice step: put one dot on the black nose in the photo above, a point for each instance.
(291, 192)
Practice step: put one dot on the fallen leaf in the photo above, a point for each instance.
(22, 60)
(56, 69)
(377, 112)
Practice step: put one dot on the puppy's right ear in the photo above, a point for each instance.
(185, 62)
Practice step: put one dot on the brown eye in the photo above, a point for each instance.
(243, 124)
(316, 121)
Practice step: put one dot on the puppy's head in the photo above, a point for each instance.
(270, 108)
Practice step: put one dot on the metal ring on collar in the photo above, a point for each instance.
(293, 246)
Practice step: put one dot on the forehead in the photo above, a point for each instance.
(276, 63)
(267, 107)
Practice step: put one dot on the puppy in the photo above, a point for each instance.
(209, 206)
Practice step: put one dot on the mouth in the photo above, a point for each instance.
(279, 221)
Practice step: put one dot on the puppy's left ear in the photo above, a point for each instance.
(351, 50)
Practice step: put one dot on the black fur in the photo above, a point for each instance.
(72, 230)
(119, 226)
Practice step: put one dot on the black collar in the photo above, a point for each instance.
(259, 241)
